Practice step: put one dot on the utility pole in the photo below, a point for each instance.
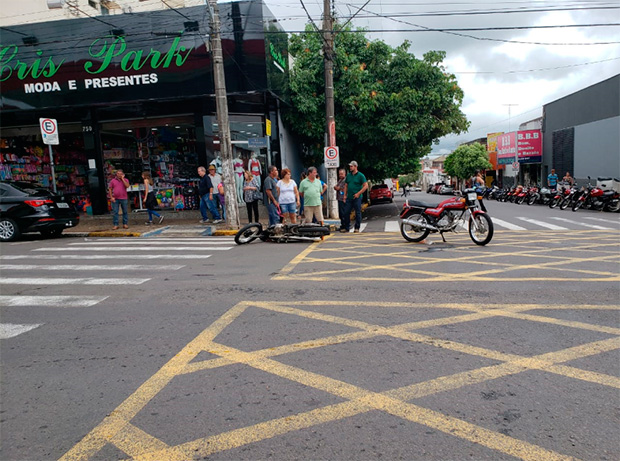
(221, 102)
(330, 122)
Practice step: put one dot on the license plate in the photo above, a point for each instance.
(472, 196)
(62, 205)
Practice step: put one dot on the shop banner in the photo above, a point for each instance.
(492, 148)
(506, 148)
(529, 146)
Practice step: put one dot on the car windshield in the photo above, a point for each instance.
(28, 188)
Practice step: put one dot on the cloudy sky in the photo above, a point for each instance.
(507, 75)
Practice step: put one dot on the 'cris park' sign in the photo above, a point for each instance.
(136, 66)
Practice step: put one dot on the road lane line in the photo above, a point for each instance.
(592, 226)
(69, 281)
(50, 301)
(84, 267)
(506, 224)
(10, 330)
(82, 256)
(392, 226)
(542, 224)
(135, 249)
(144, 242)
(602, 220)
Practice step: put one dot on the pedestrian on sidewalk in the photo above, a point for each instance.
(250, 195)
(355, 186)
(216, 179)
(340, 197)
(221, 191)
(289, 196)
(150, 201)
(271, 189)
(205, 190)
(311, 190)
(118, 197)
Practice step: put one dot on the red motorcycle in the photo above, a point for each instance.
(596, 198)
(418, 219)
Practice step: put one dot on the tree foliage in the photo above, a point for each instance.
(466, 159)
(389, 106)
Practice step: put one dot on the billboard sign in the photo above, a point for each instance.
(529, 146)
(506, 148)
(492, 148)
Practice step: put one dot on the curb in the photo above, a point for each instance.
(114, 234)
(223, 232)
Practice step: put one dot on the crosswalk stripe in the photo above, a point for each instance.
(392, 226)
(134, 249)
(604, 220)
(51, 301)
(84, 267)
(86, 257)
(154, 242)
(506, 224)
(10, 330)
(362, 227)
(592, 226)
(69, 281)
(542, 224)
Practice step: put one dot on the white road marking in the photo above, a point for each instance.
(204, 241)
(83, 267)
(362, 227)
(392, 226)
(68, 281)
(83, 256)
(542, 224)
(135, 249)
(506, 224)
(51, 301)
(593, 226)
(10, 330)
(603, 220)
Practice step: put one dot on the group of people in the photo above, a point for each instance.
(285, 199)
(552, 179)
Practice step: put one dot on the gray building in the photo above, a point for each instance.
(581, 132)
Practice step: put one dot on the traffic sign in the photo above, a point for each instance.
(515, 166)
(332, 157)
(49, 130)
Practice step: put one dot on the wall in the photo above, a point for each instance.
(597, 149)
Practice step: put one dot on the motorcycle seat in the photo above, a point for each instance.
(416, 203)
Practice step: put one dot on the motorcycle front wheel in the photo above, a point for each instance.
(480, 229)
(578, 204)
(531, 200)
(565, 203)
(413, 233)
(554, 202)
(248, 233)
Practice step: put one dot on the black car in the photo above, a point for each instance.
(29, 207)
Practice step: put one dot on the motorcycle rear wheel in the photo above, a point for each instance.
(531, 200)
(412, 233)
(480, 229)
(248, 233)
(520, 200)
(613, 208)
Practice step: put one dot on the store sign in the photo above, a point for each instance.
(529, 146)
(278, 59)
(257, 143)
(506, 148)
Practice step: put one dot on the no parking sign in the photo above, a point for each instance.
(49, 130)
(332, 158)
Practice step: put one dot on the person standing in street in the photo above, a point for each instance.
(355, 186)
(568, 179)
(118, 197)
(311, 190)
(340, 197)
(271, 190)
(250, 195)
(150, 201)
(205, 190)
(552, 180)
(216, 179)
(288, 195)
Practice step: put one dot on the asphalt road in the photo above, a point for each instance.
(362, 346)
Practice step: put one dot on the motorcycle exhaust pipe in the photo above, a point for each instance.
(422, 225)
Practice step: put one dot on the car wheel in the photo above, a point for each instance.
(51, 233)
(8, 230)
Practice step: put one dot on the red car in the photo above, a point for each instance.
(380, 192)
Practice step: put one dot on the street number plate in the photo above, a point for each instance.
(62, 205)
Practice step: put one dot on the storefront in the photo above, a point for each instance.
(139, 97)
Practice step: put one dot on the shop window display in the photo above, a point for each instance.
(165, 148)
(24, 157)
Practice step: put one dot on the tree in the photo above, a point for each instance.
(389, 106)
(466, 159)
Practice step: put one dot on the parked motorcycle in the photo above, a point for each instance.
(596, 198)
(561, 192)
(418, 219)
(533, 195)
(569, 199)
(280, 233)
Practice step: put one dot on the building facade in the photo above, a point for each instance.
(135, 91)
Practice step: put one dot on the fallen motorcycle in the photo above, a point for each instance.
(281, 233)
(418, 219)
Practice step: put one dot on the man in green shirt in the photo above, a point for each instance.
(311, 190)
(355, 186)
